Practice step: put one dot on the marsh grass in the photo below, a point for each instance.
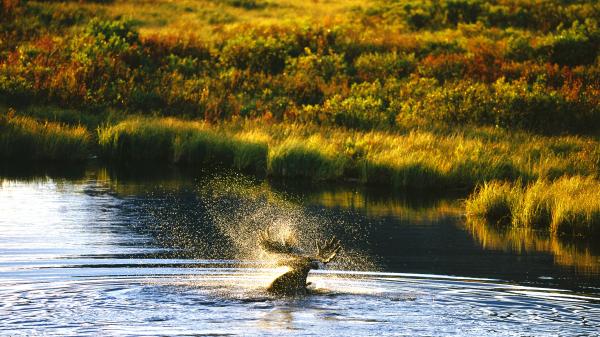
(312, 159)
(169, 140)
(567, 206)
(25, 138)
(417, 159)
(493, 202)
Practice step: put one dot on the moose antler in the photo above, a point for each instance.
(273, 246)
(329, 250)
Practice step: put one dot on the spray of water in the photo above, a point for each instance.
(221, 220)
(241, 209)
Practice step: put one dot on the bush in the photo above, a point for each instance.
(519, 49)
(578, 45)
(373, 66)
(366, 107)
(112, 30)
(464, 11)
(258, 54)
(246, 4)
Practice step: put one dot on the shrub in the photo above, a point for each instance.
(519, 49)
(114, 32)
(373, 66)
(575, 46)
(443, 67)
(357, 112)
(246, 4)
(466, 11)
(265, 54)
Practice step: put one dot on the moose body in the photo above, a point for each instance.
(293, 282)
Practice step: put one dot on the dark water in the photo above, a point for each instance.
(103, 252)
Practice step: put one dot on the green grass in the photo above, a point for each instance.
(567, 206)
(24, 138)
(417, 159)
(168, 140)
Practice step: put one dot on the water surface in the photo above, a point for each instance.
(121, 253)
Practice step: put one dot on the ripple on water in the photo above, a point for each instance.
(79, 265)
(183, 301)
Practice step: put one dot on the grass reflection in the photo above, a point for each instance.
(569, 253)
(418, 211)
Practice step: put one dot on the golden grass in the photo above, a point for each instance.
(209, 18)
(24, 138)
(567, 206)
(415, 159)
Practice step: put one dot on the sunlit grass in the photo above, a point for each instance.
(493, 202)
(24, 138)
(416, 159)
(169, 140)
(567, 206)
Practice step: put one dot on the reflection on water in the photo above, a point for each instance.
(113, 252)
(582, 255)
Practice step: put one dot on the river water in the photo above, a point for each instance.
(128, 253)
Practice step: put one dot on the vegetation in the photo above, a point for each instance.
(25, 138)
(415, 159)
(566, 206)
(385, 65)
(409, 94)
(170, 140)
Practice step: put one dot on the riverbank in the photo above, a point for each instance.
(419, 158)
(394, 94)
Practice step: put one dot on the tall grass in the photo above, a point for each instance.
(169, 140)
(494, 202)
(312, 158)
(24, 138)
(567, 206)
(415, 159)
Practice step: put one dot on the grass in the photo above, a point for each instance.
(311, 158)
(427, 95)
(567, 206)
(414, 159)
(493, 202)
(25, 138)
(169, 140)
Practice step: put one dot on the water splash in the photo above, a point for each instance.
(241, 209)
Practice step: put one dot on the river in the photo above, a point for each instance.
(128, 252)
